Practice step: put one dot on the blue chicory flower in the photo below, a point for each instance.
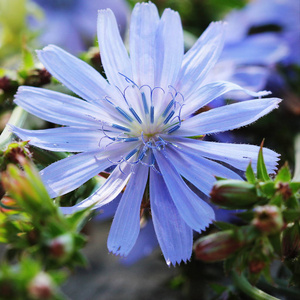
(143, 122)
(71, 23)
(275, 21)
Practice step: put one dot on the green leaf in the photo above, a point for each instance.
(250, 174)
(262, 172)
(267, 189)
(79, 218)
(28, 59)
(284, 174)
(295, 187)
(225, 226)
(291, 215)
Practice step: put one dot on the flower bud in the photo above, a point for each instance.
(268, 219)
(256, 266)
(217, 246)
(284, 189)
(291, 241)
(61, 247)
(233, 194)
(41, 287)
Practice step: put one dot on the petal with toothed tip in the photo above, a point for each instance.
(126, 224)
(174, 235)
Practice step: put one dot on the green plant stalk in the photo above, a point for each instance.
(17, 118)
(253, 292)
(297, 159)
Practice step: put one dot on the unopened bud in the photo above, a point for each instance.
(284, 189)
(256, 266)
(217, 246)
(233, 194)
(291, 241)
(61, 247)
(268, 219)
(38, 77)
(17, 151)
(41, 287)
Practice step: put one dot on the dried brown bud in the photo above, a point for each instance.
(284, 189)
(5, 84)
(268, 219)
(38, 77)
(256, 266)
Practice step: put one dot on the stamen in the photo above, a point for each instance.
(135, 115)
(174, 129)
(130, 154)
(123, 113)
(121, 127)
(146, 109)
(169, 117)
(152, 114)
(132, 139)
(128, 79)
(168, 108)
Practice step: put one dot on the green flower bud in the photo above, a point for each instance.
(268, 219)
(233, 194)
(217, 246)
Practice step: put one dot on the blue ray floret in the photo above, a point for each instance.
(145, 129)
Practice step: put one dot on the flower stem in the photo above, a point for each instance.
(254, 293)
(297, 159)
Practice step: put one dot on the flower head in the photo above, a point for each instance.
(141, 121)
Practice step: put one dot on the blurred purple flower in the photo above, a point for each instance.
(71, 23)
(141, 119)
(277, 18)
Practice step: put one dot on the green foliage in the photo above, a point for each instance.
(34, 229)
(270, 229)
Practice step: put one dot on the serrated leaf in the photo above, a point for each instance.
(250, 176)
(284, 174)
(262, 172)
(225, 226)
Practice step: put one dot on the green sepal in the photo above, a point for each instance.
(295, 187)
(262, 173)
(225, 226)
(284, 174)
(79, 218)
(250, 176)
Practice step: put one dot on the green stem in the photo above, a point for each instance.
(297, 159)
(253, 292)
(17, 118)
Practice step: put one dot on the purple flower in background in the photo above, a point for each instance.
(276, 20)
(141, 121)
(71, 23)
